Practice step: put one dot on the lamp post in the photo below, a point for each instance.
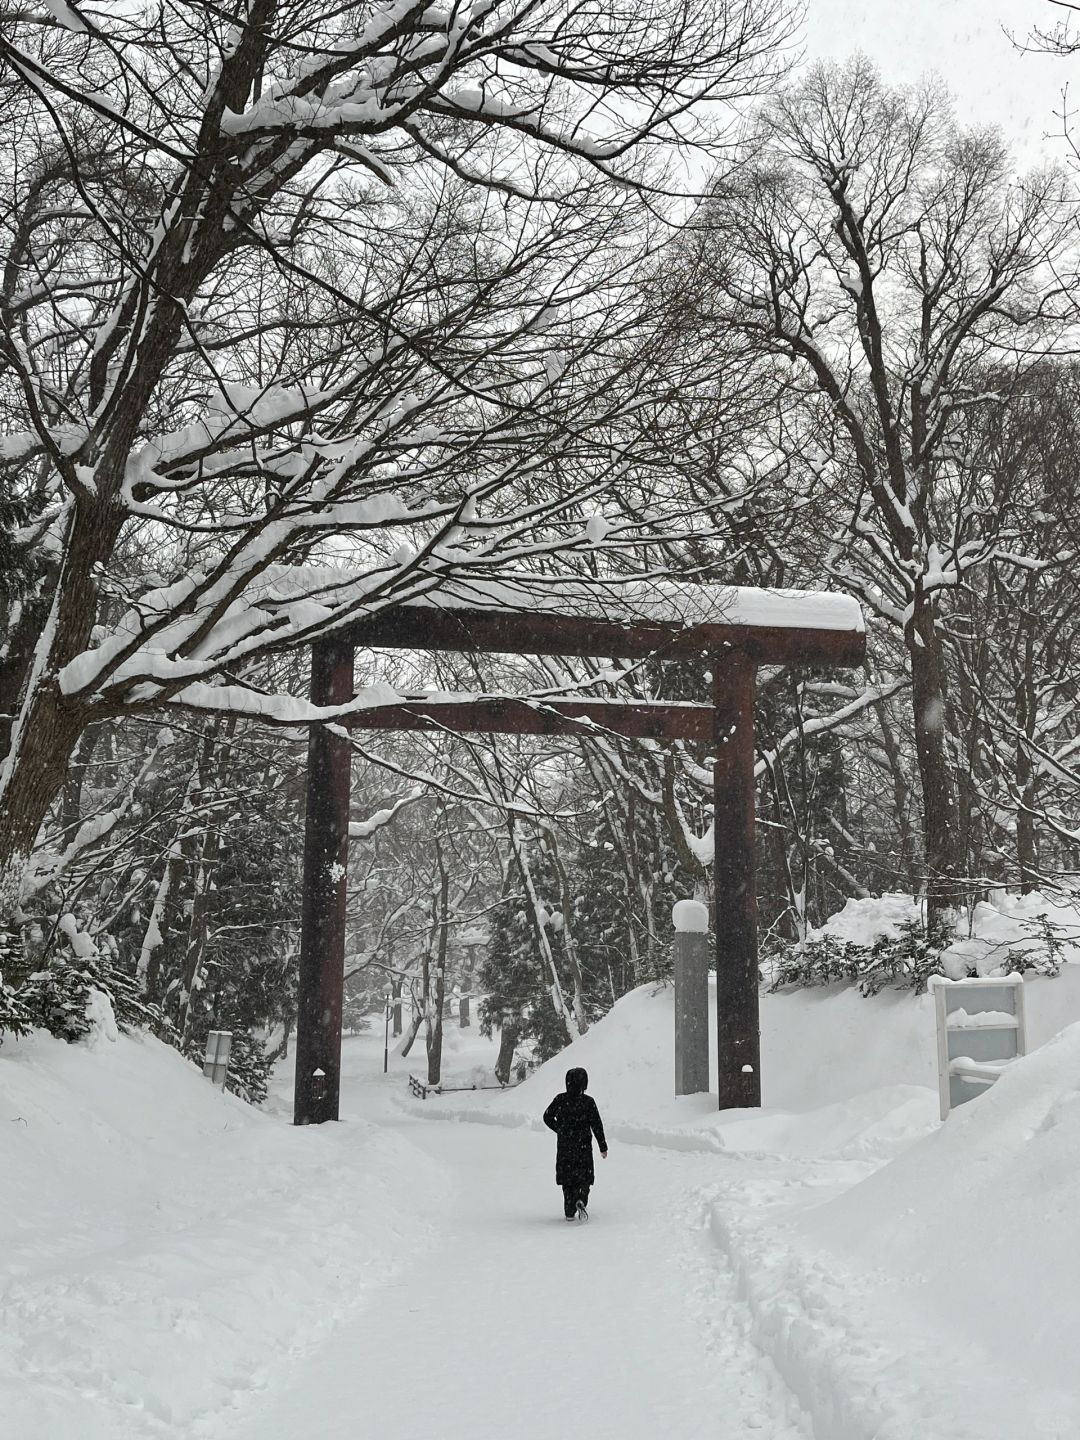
(386, 1034)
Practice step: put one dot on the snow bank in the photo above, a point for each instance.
(978, 1220)
(842, 1074)
(863, 921)
(938, 1297)
(826, 1090)
(164, 1245)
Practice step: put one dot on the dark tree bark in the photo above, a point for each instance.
(941, 831)
(435, 1028)
(508, 1039)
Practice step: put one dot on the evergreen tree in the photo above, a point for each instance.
(515, 972)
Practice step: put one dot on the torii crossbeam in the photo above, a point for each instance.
(732, 631)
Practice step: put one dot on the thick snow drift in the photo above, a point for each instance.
(977, 1222)
(938, 1296)
(841, 1074)
(164, 1245)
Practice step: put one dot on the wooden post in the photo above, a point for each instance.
(322, 927)
(738, 1046)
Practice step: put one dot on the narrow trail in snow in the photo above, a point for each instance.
(513, 1323)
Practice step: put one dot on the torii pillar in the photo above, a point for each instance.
(321, 984)
(738, 1028)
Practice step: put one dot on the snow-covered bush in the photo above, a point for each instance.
(905, 961)
(249, 1065)
(877, 943)
(56, 991)
(1043, 957)
(14, 1018)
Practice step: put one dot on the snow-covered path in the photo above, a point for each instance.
(510, 1322)
(177, 1266)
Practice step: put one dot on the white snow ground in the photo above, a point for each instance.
(838, 1267)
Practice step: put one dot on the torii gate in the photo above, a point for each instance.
(732, 630)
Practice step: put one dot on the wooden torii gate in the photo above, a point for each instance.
(741, 630)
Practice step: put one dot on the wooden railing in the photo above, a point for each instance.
(422, 1090)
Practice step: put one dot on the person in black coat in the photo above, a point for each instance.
(575, 1119)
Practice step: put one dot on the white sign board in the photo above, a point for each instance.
(216, 1061)
(980, 1030)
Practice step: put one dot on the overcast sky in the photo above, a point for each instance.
(964, 41)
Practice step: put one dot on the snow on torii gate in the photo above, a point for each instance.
(735, 630)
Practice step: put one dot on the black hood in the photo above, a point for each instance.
(577, 1081)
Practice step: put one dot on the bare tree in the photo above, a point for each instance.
(330, 281)
(887, 257)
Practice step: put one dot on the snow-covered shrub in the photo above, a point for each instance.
(904, 961)
(55, 990)
(356, 1011)
(249, 1068)
(14, 1016)
(57, 998)
(1043, 957)
(14, 1019)
(249, 1065)
(880, 941)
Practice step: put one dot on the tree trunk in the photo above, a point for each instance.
(198, 932)
(566, 905)
(508, 1039)
(281, 1049)
(22, 627)
(940, 823)
(148, 969)
(34, 777)
(543, 945)
(435, 1029)
(1027, 782)
(74, 777)
(209, 847)
(48, 724)
(414, 1030)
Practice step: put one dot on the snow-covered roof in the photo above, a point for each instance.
(610, 598)
(665, 601)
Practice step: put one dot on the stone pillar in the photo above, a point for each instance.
(691, 919)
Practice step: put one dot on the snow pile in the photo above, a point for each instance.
(937, 1297)
(863, 921)
(1015, 923)
(826, 1090)
(164, 1245)
(980, 1218)
(842, 1074)
(986, 934)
